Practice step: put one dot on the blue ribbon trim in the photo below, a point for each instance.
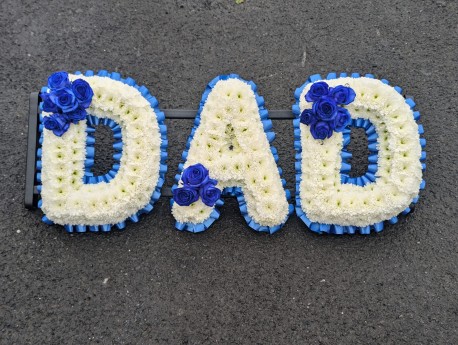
(88, 177)
(368, 177)
(92, 122)
(231, 191)
(371, 173)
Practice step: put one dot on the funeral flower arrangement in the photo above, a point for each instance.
(327, 199)
(72, 106)
(229, 151)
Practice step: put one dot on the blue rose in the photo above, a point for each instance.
(325, 108)
(64, 99)
(57, 123)
(321, 130)
(83, 92)
(308, 117)
(58, 81)
(342, 120)
(209, 193)
(77, 115)
(195, 175)
(185, 196)
(343, 94)
(48, 105)
(316, 91)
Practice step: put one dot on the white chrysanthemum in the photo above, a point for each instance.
(323, 197)
(189, 213)
(66, 199)
(231, 143)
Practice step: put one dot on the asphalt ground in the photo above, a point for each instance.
(151, 284)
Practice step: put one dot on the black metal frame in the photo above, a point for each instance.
(31, 193)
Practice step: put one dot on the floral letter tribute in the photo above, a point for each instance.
(327, 199)
(229, 151)
(229, 154)
(71, 195)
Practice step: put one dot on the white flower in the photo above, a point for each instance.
(324, 199)
(66, 199)
(231, 143)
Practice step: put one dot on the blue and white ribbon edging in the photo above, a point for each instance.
(232, 191)
(89, 177)
(368, 177)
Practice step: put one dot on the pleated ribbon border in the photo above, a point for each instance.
(232, 191)
(90, 141)
(372, 142)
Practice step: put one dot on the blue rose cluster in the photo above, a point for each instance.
(196, 182)
(326, 115)
(67, 101)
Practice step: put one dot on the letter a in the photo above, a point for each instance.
(231, 138)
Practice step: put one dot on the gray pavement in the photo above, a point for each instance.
(154, 285)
